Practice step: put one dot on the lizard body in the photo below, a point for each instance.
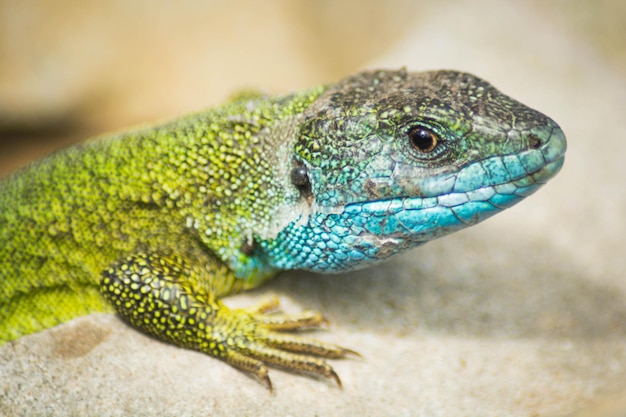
(160, 223)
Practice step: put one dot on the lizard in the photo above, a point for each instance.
(160, 223)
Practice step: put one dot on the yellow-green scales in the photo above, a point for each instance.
(159, 223)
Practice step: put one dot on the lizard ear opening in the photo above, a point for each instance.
(300, 178)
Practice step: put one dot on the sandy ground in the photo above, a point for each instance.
(524, 315)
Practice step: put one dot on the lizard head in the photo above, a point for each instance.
(391, 159)
(390, 134)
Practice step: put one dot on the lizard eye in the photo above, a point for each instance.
(422, 139)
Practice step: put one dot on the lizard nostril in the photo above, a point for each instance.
(534, 142)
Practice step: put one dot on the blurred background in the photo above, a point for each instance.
(72, 68)
(537, 303)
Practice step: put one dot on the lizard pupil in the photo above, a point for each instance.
(422, 139)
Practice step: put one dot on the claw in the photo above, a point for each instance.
(266, 379)
(334, 376)
(354, 353)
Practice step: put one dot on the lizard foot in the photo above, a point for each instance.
(160, 295)
(268, 344)
(256, 344)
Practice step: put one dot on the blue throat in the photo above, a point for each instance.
(369, 232)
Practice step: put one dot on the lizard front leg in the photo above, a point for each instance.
(164, 296)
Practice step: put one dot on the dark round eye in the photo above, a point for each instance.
(422, 139)
(299, 175)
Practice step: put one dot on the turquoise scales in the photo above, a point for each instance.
(376, 194)
(166, 220)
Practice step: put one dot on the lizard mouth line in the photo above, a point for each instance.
(519, 185)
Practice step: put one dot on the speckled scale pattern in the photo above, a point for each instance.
(159, 223)
(376, 196)
(180, 185)
(150, 290)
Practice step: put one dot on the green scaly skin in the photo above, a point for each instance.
(158, 224)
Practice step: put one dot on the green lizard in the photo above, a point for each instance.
(160, 223)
